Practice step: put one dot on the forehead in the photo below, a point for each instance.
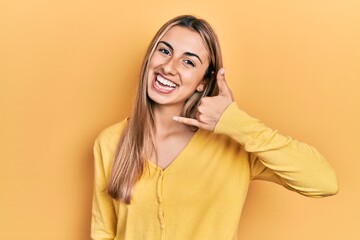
(185, 40)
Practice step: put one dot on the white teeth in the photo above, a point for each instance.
(165, 81)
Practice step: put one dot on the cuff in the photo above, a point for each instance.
(236, 123)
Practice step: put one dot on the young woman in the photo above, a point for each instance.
(180, 166)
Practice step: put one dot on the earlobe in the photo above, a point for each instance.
(200, 88)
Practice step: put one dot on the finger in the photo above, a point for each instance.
(197, 115)
(220, 79)
(188, 121)
(201, 109)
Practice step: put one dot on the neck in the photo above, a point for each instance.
(164, 124)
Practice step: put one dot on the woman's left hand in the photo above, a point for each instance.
(211, 108)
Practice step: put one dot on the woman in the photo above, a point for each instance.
(180, 166)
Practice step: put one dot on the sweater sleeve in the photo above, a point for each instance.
(274, 157)
(103, 222)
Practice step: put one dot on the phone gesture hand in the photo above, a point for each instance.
(211, 108)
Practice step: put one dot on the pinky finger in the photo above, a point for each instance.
(188, 121)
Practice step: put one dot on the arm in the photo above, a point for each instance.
(103, 222)
(274, 157)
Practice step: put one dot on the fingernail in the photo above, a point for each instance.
(175, 118)
(222, 71)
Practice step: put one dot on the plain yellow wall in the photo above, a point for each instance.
(68, 70)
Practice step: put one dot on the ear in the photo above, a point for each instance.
(201, 86)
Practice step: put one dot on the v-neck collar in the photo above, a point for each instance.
(178, 157)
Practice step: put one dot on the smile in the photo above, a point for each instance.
(163, 85)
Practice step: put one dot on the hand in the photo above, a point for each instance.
(211, 108)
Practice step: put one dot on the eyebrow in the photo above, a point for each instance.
(186, 53)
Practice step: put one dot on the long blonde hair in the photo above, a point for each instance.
(130, 159)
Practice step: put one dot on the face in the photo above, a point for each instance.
(177, 67)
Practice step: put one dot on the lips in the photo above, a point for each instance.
(163, 85)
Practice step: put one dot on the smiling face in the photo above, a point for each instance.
(177, 67)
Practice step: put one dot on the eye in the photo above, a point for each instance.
(164, 51)
(189, 62)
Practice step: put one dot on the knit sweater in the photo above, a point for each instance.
(200, 195)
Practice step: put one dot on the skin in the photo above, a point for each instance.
(211, 108)
(182, 58)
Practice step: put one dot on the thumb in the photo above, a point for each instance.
(221, 82)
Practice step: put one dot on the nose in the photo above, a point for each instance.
(169, 67)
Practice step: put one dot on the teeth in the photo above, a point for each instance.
(165, 81)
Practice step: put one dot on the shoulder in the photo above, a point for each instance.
(212, 140)
(110, 136)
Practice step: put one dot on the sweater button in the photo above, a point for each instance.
(162, 227)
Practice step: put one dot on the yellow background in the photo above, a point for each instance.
(68, 69)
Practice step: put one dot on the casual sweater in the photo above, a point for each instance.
(200, 195)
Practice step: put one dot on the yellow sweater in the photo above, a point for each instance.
(200, 195)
